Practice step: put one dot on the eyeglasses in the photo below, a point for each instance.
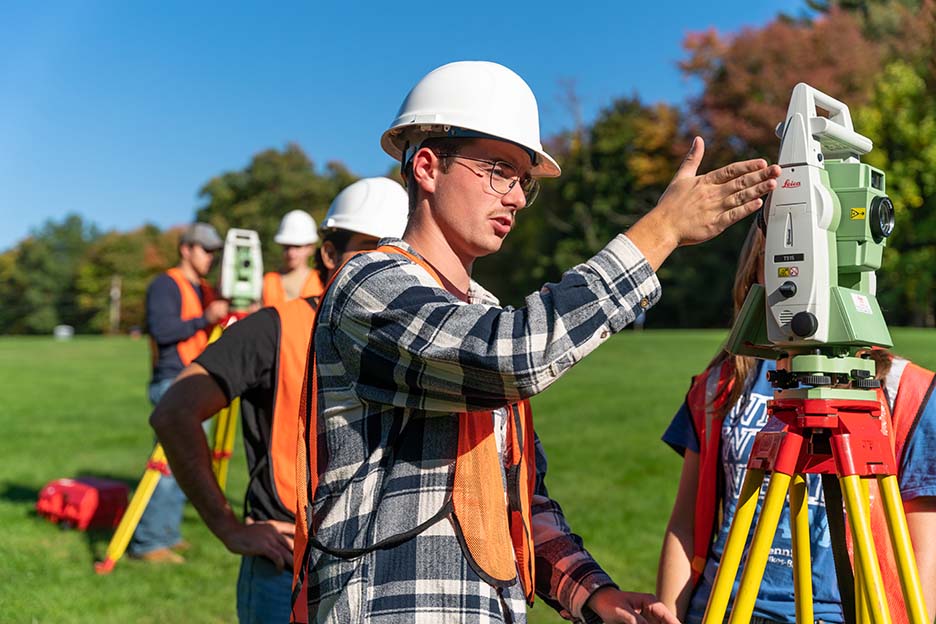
(504, 176)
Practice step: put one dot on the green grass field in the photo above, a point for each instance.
(79, 408)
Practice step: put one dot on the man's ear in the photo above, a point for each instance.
(330, 255)
(426, 169)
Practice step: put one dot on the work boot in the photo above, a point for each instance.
(181, 546)
(160, 555)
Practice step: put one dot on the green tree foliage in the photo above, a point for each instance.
(274, 182)
(879, 19)
(901, 120)
(613, 173)
(611, 176)
(38, 285)
(135, 258)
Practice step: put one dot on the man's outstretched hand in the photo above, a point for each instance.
(695, 208)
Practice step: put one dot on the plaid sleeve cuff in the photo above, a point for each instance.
(584, 590)
(589, 616)
(628, 277)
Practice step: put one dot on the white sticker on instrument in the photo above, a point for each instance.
(861, 303)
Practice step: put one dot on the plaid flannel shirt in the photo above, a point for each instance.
(399, 358)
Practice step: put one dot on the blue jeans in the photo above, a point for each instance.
(264, 594)
(159, 525)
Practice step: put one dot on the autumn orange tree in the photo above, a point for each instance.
(747, 77)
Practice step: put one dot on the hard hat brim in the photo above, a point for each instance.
(394, 141)
(287, 240)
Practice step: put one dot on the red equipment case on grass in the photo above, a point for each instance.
(83, 503)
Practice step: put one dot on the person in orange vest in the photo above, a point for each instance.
(424, 478)
(181, 309)
(714, 431)
(262, 360)
(298, 237)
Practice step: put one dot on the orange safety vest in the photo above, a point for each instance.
(497, 539)
(274, 293)
(706, 401)
(192, 308)
(296, 318)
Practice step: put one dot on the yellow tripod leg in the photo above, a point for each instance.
(865, 555)
(760, 548)
(215, 333)
(734, 548)
(862, 599)
(903, 551)
(225, 430)
(802, 562)
(131, 518)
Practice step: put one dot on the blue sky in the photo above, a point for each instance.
(120, 111)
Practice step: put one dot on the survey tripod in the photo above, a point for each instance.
(224, 428)
(841, 434)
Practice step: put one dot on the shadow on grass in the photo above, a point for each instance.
(17, 493)
(130, 482)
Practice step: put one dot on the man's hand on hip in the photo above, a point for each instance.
(272, 539)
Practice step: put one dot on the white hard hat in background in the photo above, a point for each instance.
(470, 99)
(373, 206)
(296, 228)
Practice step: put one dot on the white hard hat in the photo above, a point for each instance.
(373, 206)
(296, 228)
(472, 99)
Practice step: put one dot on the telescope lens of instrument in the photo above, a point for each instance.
(882, 218)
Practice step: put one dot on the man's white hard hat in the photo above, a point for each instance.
(296, 228)
(473, 99)
(373, 206)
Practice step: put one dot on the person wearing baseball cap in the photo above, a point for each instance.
(181, 309)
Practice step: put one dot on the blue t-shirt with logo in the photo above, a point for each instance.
(775, 600)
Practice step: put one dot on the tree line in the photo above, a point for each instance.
(875, 55)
